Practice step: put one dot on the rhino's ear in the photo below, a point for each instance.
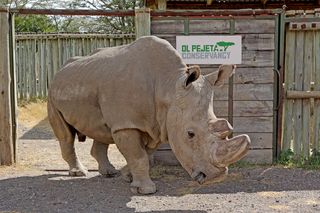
(217, 78)
(193, 73)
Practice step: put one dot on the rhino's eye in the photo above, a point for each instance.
(190, 134)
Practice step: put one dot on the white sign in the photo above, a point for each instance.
(210, 49)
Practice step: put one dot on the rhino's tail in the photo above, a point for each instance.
(81, 137)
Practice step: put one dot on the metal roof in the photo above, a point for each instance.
(239, 4)
(226, 1)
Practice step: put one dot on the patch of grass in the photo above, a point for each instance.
(289, 159)
(167, 172)
(246, 164)
(25, 102)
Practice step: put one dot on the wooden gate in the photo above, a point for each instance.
(301, 115)
(248, 100)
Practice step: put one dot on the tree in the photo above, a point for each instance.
(34, 23)
(74, 23)
(112, 24)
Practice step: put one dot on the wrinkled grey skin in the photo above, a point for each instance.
(139, 96)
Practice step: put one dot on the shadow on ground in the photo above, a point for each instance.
(48, 193)
(57, 192)
(41, 131)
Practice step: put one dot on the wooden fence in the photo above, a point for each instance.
(39, 57)
(301, 112)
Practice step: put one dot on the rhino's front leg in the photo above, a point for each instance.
(129, 143)
(100, 152)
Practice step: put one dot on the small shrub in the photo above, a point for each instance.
(289, 158)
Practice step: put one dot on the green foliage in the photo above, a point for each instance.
(111, 24)
(39, 24)
(290, 159)
(286, 157)
(314, 160)
(34, 23)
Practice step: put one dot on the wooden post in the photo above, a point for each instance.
(7, 143)
(162, 5)
(142, 22)
(13, 82)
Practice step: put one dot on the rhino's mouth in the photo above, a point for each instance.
(202, 178)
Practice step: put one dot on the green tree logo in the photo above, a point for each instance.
(225, 44)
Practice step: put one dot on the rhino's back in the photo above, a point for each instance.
(115, 87)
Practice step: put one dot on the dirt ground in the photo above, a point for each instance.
(39, 182)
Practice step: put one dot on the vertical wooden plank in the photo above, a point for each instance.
(45, 67)
(142, 22)
(94, 41)
(118, 41)
(298, 78)
(32, 68)
(90, 45)
(67, 47)
(55, 56)
(13, 85)
(289, 85)
(48, 62)
(60, 61)
(6, 140)
(73, 47)
(24, 73)
(306, 103)
(37, 67)
(28, 67)
(18, 68)
(317, 88)
(82, 47)
(42, 66)
(87, 47)
(106, 42)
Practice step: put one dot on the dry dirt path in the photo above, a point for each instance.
(35, 185)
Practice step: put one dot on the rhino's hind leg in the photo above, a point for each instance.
(69, 155)
(100, 152)
(129, 143)
(65, 135)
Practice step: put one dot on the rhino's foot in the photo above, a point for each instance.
(145, 187)
(126, 174)
(109, 172)
(78, 172)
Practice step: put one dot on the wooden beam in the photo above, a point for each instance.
(6, 140)
(239, 5)
(302, 94)
(73, 12)
(142, 22)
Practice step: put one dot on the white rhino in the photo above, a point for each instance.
(139, 96)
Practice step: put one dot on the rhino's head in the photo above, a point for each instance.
(197, 137)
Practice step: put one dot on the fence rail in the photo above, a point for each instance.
(39, 57)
